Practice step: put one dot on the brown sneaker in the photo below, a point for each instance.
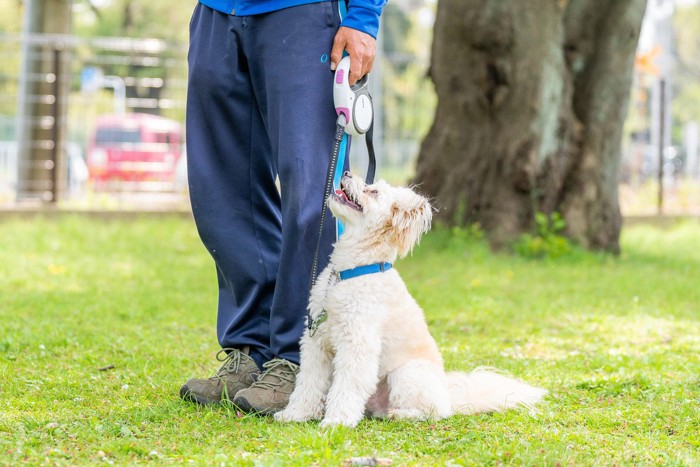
(270, 393)
(238, 372)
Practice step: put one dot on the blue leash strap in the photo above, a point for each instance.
(340, 168)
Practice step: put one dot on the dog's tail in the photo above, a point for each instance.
(486, 390)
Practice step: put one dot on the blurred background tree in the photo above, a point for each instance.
(9, 24)
(686, 104)
(148, 69)
(134, 18)
(407, 97)
(9, 20)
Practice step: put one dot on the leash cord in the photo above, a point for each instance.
(371, 169)
(339, 132)
(372, 165)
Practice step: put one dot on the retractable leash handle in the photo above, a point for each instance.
(353, 104)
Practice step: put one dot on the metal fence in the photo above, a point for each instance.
(66, 106)
(71, 140)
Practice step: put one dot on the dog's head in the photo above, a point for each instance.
(380, 214)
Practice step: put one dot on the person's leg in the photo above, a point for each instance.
(293, 83)
(231, 175)
(288, 57)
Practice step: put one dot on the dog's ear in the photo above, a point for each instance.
(411, 216)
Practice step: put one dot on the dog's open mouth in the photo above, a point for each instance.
(343, 197)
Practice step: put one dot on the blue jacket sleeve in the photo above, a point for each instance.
(363, 15)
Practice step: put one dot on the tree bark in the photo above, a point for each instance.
(532, 98)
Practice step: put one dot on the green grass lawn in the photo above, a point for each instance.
(615, 340)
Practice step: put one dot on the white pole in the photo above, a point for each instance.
(119, 86)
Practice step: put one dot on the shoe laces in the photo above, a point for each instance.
(231, 358)
(277, 372)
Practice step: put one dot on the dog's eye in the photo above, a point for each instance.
(372, 192)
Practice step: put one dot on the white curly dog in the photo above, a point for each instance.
(368, 349)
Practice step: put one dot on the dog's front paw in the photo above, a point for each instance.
(292, 416)
(406, 414)
(329, 422)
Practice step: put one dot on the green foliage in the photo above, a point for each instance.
(395, 26)
(613, 339)
(686, 100)
(547, 240)
(470, 232)
(11, 18)
(408, 98)
(686, 106)
(10, 21)
(459, 229)
(134, 18)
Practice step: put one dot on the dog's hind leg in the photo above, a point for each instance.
(312, 383)
(378, 403)
(418, 390)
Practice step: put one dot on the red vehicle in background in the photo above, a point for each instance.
(134, 151)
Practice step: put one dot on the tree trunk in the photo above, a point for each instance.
(43, 91)
(532, 98)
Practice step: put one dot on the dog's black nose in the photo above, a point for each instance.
(347, 174)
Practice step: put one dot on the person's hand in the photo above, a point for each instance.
(361, 47)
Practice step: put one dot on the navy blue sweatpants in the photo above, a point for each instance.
(260, 106)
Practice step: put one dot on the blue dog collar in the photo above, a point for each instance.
(363, 270)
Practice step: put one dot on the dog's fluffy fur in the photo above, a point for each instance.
(374, 353)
